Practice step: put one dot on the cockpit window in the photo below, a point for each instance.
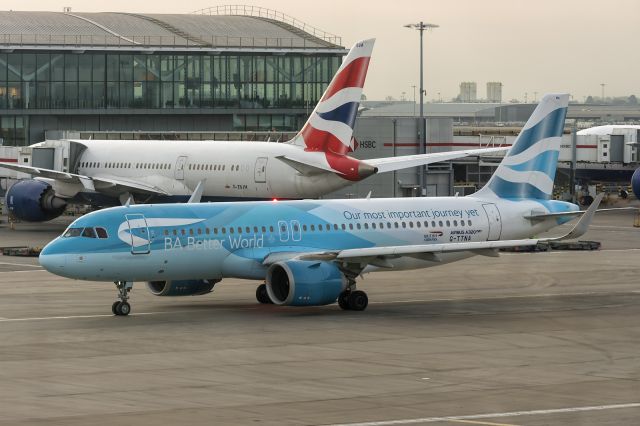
(72, 232)
(89, 232)
(102, 233)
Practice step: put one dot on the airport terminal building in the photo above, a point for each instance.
(231, 68)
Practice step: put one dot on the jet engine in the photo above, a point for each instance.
(181, 287)
(34, 201)
(635, 183)
(304, 283)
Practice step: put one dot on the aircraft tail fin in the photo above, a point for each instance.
(330, 125)
(528, 169)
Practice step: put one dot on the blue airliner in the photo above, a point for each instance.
(310, 252)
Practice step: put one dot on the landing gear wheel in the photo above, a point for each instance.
(262, 295)
(123, 308)
(343, 300)
(358, 300)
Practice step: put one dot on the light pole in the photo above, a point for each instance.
(421, 26)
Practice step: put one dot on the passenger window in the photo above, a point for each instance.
(207, 231)
(102, 233)
(455, 223)
(255, 229)
(448, 224)
(175, 232)
(433, 223)
(271, 229)
(439, 223)
(224, 230)
(183, 232)
(351, 226)
(264, 229)
(199, 231)
(335, 226)
(248, 230)
(358, 225)
(469, 222)
(426, 223)
(191, 231)
(239, 229)
(320, 227)
(313, 228)
(343, 226)
(395, 225)
(166, 232)
(418, 224)
(373, 225)
(89, 233)
(72, 232)
(366, 226)
(404, 225)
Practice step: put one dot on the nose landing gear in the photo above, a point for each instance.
(122, 307)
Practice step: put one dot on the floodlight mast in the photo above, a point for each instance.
(421, 26)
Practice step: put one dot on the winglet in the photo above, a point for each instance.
(583, 224)
(197, 193)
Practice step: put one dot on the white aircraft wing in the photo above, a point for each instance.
(389, 164)
(88, 182)
(38, 172)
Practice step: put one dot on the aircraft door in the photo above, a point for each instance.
(180, 164)
(139, 231)
(283, 230)
(495, 223)
(296, 232)
(260, 173)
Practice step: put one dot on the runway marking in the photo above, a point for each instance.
(494, 415)
(530, 296)
(477, 422)
(26, 270)
(20, 264)
(81, 316)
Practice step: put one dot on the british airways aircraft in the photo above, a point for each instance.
(310, 253)
(315, 162)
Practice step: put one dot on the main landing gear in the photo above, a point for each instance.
(353, 300)
(262, 296)
(121, 307)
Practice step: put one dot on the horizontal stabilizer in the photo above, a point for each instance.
(304, 168)
(389, 164)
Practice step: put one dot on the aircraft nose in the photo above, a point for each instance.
(50, 260)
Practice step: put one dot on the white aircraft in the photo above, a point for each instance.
(313, 163)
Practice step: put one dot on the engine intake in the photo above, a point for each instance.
(304, 283)
(34, 201)
(635, 183)
(181, 287)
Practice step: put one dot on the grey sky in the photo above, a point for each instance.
(541, 46)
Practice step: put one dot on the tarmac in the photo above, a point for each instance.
(523, 339)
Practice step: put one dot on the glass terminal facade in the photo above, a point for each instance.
(259, 91)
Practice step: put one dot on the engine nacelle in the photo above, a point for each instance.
(304, 283)
(635, 183)
(181, 287)
(34, 201)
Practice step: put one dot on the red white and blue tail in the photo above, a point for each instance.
(330, 126)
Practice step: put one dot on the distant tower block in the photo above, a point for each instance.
(494, 91)
(468, 91)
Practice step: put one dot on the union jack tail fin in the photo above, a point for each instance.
(529, 168)
(330, 125)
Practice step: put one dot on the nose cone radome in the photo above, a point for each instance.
(50, 260)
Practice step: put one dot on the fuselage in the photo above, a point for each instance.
(217, 240)
(230, 170)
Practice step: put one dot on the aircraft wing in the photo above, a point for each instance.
(38, 172)
(389, 164)
(89, 182)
